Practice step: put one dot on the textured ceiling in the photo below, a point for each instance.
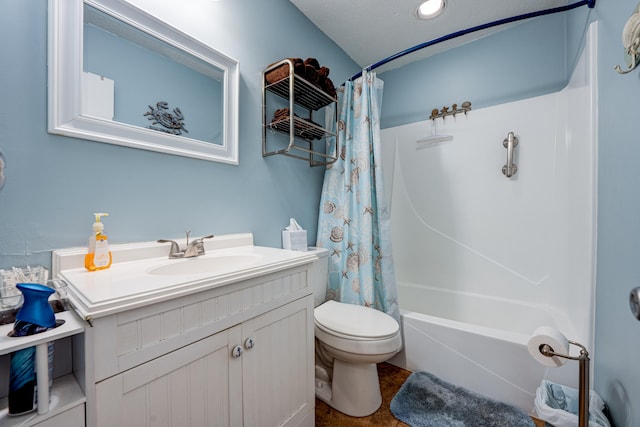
(371, 30)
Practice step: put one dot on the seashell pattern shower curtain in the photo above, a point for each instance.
(353, 222)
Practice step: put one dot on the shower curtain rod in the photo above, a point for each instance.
(590, 3)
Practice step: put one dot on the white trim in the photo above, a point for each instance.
(65, 70)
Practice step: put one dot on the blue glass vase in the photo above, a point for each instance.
(35, 316)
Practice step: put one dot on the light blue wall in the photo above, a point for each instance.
(54, 183)
(617, 373)
(523, 61)
(163, 79)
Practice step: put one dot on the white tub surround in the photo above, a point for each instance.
(478, 253)
(195, 346)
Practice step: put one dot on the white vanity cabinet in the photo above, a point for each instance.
(197, 385)
(237, 350)
(277, 378)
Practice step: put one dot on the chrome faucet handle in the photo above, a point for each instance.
(175, 251)
(196, 248)
(201, 246)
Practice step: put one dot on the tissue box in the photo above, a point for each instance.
(294, 240)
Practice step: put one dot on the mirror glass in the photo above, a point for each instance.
(122, 76)
(159, 86)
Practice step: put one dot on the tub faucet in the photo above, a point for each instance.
(193, 249)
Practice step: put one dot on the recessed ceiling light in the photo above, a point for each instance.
(430, 9)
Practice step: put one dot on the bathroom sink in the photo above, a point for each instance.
(207, 264)
(142, 273)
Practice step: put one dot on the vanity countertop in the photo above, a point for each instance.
(139, 276)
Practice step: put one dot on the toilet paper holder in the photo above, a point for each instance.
(583, 389)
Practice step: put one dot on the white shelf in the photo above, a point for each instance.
(72, 325)
(65, 394)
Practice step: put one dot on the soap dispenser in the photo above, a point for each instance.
(99, 255)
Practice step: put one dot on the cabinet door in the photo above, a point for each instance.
(197, 385)
(278, 370)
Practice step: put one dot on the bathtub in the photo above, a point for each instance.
(482, 261)
(478, 342)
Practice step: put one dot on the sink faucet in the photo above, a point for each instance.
(193, 249)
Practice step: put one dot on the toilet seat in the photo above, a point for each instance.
(356, 330)
(354, 322)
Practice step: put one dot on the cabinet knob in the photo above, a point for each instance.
(237, 351)
(249, 343)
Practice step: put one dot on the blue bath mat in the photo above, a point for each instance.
(425, 400)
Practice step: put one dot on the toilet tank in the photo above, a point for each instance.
(319, 272)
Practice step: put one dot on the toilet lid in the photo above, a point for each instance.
(355, 320)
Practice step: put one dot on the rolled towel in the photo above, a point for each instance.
(323, 72)
(298, 66)
(282, 71)
(329, 88)
(325, 83)
(305, 128)
(309, 69)
(281, 113)
(312, 62)
(311, 74)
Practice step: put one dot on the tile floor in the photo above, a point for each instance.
(391, 378)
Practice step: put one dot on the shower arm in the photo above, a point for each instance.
(583, 390)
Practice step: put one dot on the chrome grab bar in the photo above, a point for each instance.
(510, 143)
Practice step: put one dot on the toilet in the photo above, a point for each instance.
(350, 341)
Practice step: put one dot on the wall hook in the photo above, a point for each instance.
(450, 111)
(631, 42)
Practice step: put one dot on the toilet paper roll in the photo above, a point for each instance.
(553, 338)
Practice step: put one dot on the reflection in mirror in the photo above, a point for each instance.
(121, 76)
(136, 72)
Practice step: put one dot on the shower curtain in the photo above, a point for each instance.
(353, 222)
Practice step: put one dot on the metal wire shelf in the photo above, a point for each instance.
(305, 136)
(302, 128)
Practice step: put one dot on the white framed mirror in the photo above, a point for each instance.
(121, 76)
